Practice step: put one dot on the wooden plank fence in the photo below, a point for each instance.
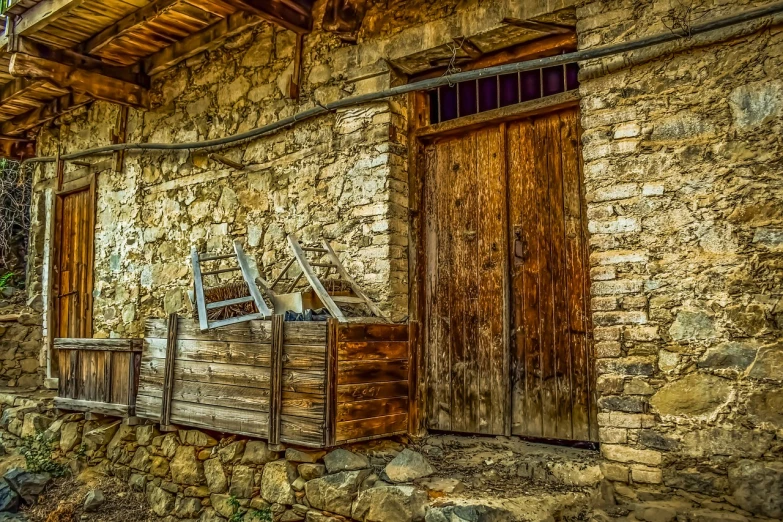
(98, 375)
(313, 384)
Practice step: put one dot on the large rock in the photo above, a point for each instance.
(766, 406)
(241, 482)
(694, 394)
(35, 423)
(311, 471)
(210, 515)
(9, 500)
(26, 484)
(222, 504)
(344, 460)
(735, 356)
(187, 507)
(70, 434)
(768, 365)
(276, 482)
(757, 487)
(692, 325)
(408, 466)
(295, 455)
(335, 493)
(186, 468)
(98, 433)
(215, 476)
(94, 500)
(161, 502)
(257, 452)
(145, 434)
(196, 438)
(141, 460)
(390, 504)
(232, 453)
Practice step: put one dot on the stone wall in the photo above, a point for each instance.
(684, 179)
(342, 176)
(21, 358)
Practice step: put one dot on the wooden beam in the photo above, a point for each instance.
(344, 17)
(38, 17)
(146, 14)
(295, 83)
(94, 83)
(208, 39)
(540, 27)
(281, 12)
(74, 59)
(45, 113)
(15, 149)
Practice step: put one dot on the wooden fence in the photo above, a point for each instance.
(98, 375)
(313, 384)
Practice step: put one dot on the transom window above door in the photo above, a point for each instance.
(450, 102)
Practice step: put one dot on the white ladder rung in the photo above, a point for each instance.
(230, 302)
(211, 257)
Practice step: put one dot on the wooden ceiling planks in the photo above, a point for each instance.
(153, 34)
(86, 20)
(21, 96)
(172, 25)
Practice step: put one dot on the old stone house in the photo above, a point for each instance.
(593, 248)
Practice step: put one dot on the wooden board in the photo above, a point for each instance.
(73, 270)
(371, 389)
(465, 287)
(552, 363)
(97, 372)
(230, 369)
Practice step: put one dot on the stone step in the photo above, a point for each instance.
(506, 464)
(544, 506)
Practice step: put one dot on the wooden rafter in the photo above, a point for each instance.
(37, 17)
(94, 83)
(146, 14)
(44, 114)
(81, 61)
(344, 17)
(205, 40)
(287, 13)
(540, 27)
(16, 149)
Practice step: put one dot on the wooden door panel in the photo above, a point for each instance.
(73, 264)
(465, 285)
(551, 362)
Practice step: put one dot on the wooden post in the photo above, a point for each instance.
(332, 332)
(295, 84)
(276, 378)
(414, 363)
(168, 376)
(120, 136)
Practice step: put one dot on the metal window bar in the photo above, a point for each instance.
(438, 113)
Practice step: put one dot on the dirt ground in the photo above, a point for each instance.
(64, 498)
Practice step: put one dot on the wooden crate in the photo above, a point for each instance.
(371, 387)
(313, 384)
(98, 375)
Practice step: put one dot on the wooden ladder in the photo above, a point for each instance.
(333, 263)
(244, 268)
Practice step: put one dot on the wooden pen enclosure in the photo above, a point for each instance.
(313, 384)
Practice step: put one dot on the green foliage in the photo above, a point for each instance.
(262, 515)
(82, 451)
(37, 452)
(5, 279)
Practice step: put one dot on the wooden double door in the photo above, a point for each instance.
(507, 328)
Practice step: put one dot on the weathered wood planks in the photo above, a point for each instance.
(505, 304)
(98, 375)
(370, 381)
(269, 377)
(312, 384)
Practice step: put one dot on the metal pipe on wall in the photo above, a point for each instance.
(577, 56)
